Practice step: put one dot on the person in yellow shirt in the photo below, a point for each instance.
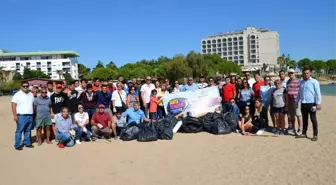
(161, 110)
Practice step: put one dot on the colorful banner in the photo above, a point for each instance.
(194, 103)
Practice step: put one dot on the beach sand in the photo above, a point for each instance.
(188, 159)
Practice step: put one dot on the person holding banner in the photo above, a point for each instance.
(190, 86)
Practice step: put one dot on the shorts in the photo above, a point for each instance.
(41, 122)
(293, 110)
(277, 110)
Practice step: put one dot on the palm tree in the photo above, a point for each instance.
(60, 74)
(292, 64)
(281, 61)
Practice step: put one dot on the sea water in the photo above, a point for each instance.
(328, 90)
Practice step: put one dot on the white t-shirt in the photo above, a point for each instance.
(81, 118)
(49, 93)
(147, 90)
(116, 98)
(79, 89)
(24, 102)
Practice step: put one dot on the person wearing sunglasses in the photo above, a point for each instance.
(266, 91)
(177, 87)
(22, 109)
(132, 97)
(279, 106)
(42, 105)
(202, 84)
(245, 123)
(212, 82)
(190, 86)
(245, 95)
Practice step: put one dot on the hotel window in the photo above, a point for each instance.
(45, 57)
(25, 58)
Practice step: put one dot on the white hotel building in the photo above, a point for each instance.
(250, 47)
(49, 62)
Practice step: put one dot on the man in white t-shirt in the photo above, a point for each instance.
(250, 80)
(118, 98)
(146, 90)
(22, 109)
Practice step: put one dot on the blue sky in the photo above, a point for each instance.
(129, 30)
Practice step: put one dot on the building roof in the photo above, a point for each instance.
(38, 53)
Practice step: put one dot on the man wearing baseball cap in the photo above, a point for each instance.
(294, 109)
(102, 124)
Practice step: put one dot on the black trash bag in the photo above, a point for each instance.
(164, 127)
(220, 127)
(130, 132)
(208, 120)
(191, 125)
(231, 119)
(148, 133)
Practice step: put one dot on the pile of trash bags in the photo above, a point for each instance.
(214, 123)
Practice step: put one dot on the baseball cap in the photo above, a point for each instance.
(291, 71)
(101, 106)
(59, 86)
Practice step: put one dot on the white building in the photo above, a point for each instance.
(250, 47)
(49, 62)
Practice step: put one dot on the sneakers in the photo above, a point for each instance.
(314, 138)
(281, 132)
(60, 145)
(260, 132)
(29, 146)
(19, 148)
(116, 137)
(78, 142)
(277, 132)
(274, 130)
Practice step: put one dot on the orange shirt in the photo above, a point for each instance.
(256, 88)
(153, 104)
(228, 91)
(95, 88)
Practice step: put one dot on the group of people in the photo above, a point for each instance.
(252, 100)
(93, 109)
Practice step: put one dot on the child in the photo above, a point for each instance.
(153, 105)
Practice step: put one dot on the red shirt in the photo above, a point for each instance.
(111, 89)
(153, 104)
(228, 91)
(102, 119)
(95, 88)
(256, 88)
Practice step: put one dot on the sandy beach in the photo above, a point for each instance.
(188, 159)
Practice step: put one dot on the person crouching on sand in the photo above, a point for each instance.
(245, 123)
(64, 132)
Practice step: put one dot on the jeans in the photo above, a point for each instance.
(96, 131)
(80, 133)
(153, 115)
(23, 125)
(306, 110)
(226, 106)
(161, 112)
(65, 138)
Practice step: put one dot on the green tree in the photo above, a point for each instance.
(99, 64)
(27, 74)
(197, 63)
(292, 64)
(67, 77)
(331, 66)
(83, 70)
(178, 68)
(319, 65)
(111, 65)
(104, 73)
(17, 76)
(306, 62)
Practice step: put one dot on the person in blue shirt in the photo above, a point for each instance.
(64, 128)
(135, 114)
(234, 108)
(311, 99)
(104, 97)
(190, 86)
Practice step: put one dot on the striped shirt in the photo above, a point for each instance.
(293, 87)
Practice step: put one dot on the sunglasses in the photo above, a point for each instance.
(44, 92)
(25, 86)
